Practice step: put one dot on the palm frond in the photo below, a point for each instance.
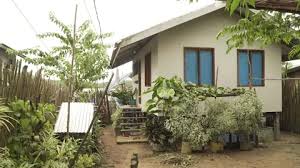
(5, 119)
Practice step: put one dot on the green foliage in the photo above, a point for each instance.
(220, 117)
(202, 122)
(115, 117)
(233, 5)
(6, 121)
(189, 121)
(248, 112)
(124, 93)
(85, 161)
(91, 59)
(32, 142)
(6, 161)
(167, 93)
(25, 136)
(157, 132)
(265, 27)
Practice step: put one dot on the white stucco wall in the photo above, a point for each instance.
(168, 58)
(151, 47)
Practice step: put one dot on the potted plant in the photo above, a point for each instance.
(248, 114)
(116, 121)
(160, 139)
(216, 146)
(124, 94)
(188, 121)
(220, 118)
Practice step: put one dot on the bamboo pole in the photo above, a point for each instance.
(71, 75)
(102, 98)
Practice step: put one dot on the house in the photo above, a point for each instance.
(5, 58)
(292, 68)
(186, 46)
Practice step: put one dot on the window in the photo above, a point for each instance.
(199, 65)
(148, 70)
(250, 67)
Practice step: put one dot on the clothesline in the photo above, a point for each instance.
(281, 79)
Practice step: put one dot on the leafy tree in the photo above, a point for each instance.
(267, 28)
(233, 5)
(91, 59)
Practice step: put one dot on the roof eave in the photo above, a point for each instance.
(162, 27)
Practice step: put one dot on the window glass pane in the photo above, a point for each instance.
(243, 68)
(191, 71)
(206, 67)
(257, 67)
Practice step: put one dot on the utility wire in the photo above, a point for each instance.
(29, 23)
(89, 14)
(99, 24)
(280, 79)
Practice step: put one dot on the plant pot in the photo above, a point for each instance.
(245, 144)
(117, 131)
(216, 147)
(186, 148)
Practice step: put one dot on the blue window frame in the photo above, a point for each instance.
(199, 65)
(250, 67)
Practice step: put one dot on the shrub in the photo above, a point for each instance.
(189, 122)
(115, 117)
(248, 112)
(33, 144)
(124, 94)
(6, 161)
(85, 161)
(158, 134)
(220, 117)
(31, 123)
(6, 121)
(167, 93)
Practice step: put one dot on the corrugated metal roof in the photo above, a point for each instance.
(81, 115)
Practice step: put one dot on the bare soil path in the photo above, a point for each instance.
(280, 154)
(120, 155)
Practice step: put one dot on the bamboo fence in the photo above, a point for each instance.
(290, 116)
(16, 82)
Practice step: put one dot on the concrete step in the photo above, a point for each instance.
(131, 130)
(124, 118)
(132, 124)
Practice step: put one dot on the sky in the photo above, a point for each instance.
(119, 17)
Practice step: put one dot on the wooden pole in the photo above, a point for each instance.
(71, 74)
(250, 72)
(102, 98)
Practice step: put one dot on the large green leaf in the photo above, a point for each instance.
(234, 5)
(165, 93)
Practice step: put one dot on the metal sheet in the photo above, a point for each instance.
(81, 115)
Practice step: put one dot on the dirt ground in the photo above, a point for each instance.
(280, 154)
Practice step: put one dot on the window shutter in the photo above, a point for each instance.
(206, 67)
(191, 64)
(148, 70)
(257, 67)
(243, 68)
